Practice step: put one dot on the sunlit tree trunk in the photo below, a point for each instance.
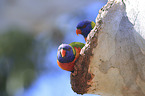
(112, 63)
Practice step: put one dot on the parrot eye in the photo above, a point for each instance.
(69, 49)
(78, 28)
(84, 26)
(63, 48)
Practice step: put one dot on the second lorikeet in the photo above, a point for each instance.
(84, 28)
(67, 55)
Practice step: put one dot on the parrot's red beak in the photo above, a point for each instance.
(78, 31)
(63, 52)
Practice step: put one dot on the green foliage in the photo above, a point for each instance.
(15, 43)
(16, 48)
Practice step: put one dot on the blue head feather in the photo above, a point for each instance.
(85, 26)
(69, 56)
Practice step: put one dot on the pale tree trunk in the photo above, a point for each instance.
(112, 63)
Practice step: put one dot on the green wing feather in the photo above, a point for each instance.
(93, 24)
(76, 44)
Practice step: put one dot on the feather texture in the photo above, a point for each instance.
(72, 52)
(85, 27)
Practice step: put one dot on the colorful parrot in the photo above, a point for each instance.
(84, 28)
(67, 54)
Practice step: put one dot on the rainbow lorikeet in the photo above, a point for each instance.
(84, 28)
(67, 54)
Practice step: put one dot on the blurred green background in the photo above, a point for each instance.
(30, 33)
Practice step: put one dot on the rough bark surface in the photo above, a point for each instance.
(112, 63)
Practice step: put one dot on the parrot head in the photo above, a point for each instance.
(84, 28)
(65, 53)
